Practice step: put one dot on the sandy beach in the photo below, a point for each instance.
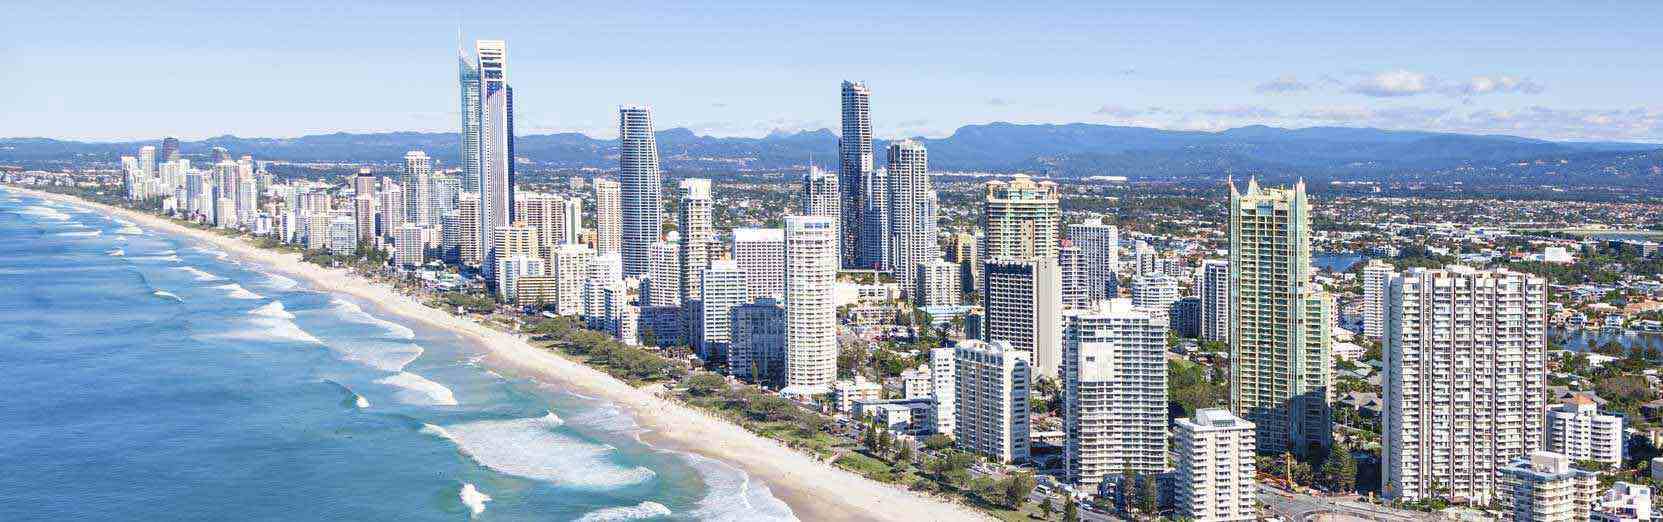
(814, 490)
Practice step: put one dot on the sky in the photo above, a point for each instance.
(141, 70)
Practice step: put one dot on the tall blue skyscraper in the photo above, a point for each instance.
(468, 77)
(854, 168)
(496, 145)
(641, 186)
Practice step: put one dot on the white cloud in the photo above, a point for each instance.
(1243, 111)
(1283, 84)
(1494, 84)
(1118, 111)
(1388, 84)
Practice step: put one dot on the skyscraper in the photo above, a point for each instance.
(760, 253)
(854, 157)
(698, 236)
(1073, 274)
(1377, 278)
(496, 143)
(468, 78)
(722, 288)
(638, 173)
(418, 185)
(1279, 349)
(756, 346)
(1020, 218)
(912, 222)
(608, 216)
(661, 285)
(170, 149)
(1100, 244)
(1465, 369)
(1214, 292)
(1023, 305)
(873, 246)
(936, 284)
(961, 249)
(820, 194)
(1114, 392)
(810, 311)
(991, 400)
(1215, 477)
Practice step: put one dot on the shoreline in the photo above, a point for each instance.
(814, 490)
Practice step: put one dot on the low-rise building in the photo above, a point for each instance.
(1578, 430)
(1545, 488)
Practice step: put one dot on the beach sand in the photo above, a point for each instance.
(814, 490)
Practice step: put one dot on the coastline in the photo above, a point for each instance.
(814, 490)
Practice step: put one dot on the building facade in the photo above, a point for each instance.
(1114, 392)
(1215, 472)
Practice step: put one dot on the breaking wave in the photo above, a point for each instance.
(473, 498)
(418, 390)
(646, 509)
(236, 291)
(531, 448)
(201, 275)
(164, 294)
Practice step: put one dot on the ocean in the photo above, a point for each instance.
(146, 376)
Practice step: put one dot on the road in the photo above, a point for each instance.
(1296, 507)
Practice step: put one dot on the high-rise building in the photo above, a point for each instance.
(364, 214)
(760, 253)
(1280, 374)
(1114, 392)
(571, 265)
(821, 196)
(661, 285)
(468, 79)
(810, 310)
(1464, 372)
(1580, 431)
(608, 216)
(1214, 291)
(991, 400)
(943, 388)
(1074, 274)
(1377, 276)
(469, 247)
(722, 288)
(496, 142)
(556, 218)
(1101, 245)
(1020, 218)
(409, 247)
(1185, 315)
(854, 163)
(446, 190)
(1145, 259)
(961, 249)
(147, 161)
(511, 268)
(873, 248)
(170, 149)
(756, 349)
(391, 206)
(603, 270)
(936, 284)
(1023, 304)
(1215, 474)
(912, 221)
(1154, 293)
(1543, 487)
(418, 187)
(698, 238)
(638, 173)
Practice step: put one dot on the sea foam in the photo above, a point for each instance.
(164, 294)
(352, 312)
(236, 291)
(83, 233)
(130, 230)
(280, 282)
(531, 448)
(732, 495)
(44, 213)
(273, 322)
(387, 357)
(473, 498)
(415, 389)
(201, 275)
(648, 509)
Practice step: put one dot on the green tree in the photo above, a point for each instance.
(1045, 508)
(938, 442)
(1016, 489)
(1339, 470)
(1148, 497)
(706, 384)
(1070, 510)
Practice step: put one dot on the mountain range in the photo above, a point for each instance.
(1061, 150)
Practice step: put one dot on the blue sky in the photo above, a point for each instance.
(138, 70)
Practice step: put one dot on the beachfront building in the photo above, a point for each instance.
(417, 181)
(1280, 367)
(912, 207)
(722, 287)
(570, 265)
(760, 253)
(756, 346)
(698, 238)
(603, 269)
(512, 267)
(1580, 431)
(1463, 379)
(661, 285)
(846, 392)
(810, 312)
(943, 385)
(991, 400)
(1543, 487)
(1214, 480)
(1114, 392)
(409, 245)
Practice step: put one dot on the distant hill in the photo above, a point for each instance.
(1066, 150)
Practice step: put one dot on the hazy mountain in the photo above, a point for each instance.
(1068, 150)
